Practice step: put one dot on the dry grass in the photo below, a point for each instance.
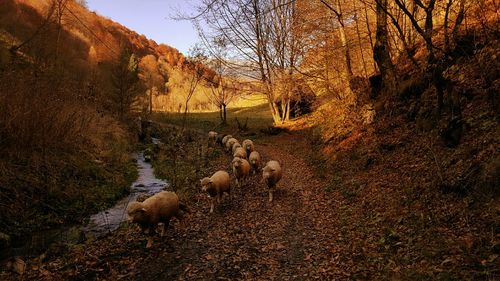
(258, 117)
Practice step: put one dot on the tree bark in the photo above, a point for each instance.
(150, 101)
(381, 53)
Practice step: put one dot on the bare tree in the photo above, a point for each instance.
(154, 76)
(222, 88)
(435, 67)
(336, 8)
(381, 53)
(196, 73)
(261, 40)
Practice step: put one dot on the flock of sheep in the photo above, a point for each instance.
(164, 205)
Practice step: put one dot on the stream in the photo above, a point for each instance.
(96, 225)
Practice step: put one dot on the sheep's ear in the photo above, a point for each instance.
(142, 210)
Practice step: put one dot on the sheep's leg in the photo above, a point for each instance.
(150, 242)
(238, 182)
(219, 197)
(270, 195)
(162, 232)
(211, 204)
(180, 217)
(151, 232)
(164, 227)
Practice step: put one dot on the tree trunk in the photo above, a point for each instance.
(381, 53)
(285, 108)
(287, 117)
(358, 33)
(429, 30)
(347, 51)
(368, 28)
(151, 101)
(185, 116)
(225, 113)
(274, 112)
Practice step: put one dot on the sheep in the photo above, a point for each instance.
(225, 139)
(236, 145)
(271, 174)
(160, 207)
(240, 152)
(255, 161)
(241, 169)
(215, 186)
(248, 146)
(212, 138)
(220, 137)
(229, 144)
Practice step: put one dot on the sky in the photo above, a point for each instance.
(153, 18)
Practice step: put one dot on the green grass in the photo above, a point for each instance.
(258, 116)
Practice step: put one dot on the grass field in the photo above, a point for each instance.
(258, 116)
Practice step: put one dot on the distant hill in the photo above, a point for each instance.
(87, 38)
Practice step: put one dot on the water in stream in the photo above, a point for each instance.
(99, 224)
(110, 219)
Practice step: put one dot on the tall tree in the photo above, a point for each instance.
(154, 76)
(381, 53)
(196, 74)
(336, 8)
(222, 89)
(125, 80)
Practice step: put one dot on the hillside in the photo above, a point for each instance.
(91, 39)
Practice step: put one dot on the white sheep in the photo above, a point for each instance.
(215, 186)
(248, 146)
(160, 207)
(255, 161)
(229, 144)
(225, 139)
(240, 152)
(235, 145)
(212, 138)
(271, 174)
(241, 169)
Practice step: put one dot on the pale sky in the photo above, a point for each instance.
(153, 18)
